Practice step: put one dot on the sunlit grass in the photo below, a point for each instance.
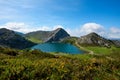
(34, 40)
(102, 50)
(36, 65)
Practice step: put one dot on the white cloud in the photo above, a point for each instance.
(114, 32)
(14, 25)
(44, 28)
(73, 32)
(25, 28)
(87, 28)
(48, 28)
(57, 26)
(21, 27)
(92, 27)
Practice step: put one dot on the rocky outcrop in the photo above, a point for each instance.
(94, 39)
(57, 35)
(116, 43)
(48, 36)
(11, 39)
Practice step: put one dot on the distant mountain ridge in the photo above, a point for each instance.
(19, 33)
(47, 36)
(9, 38)
(95, 39)
(116, 43)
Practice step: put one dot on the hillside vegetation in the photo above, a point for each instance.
(101, 60)
(9, 38)
(36, 65)
(47, 36)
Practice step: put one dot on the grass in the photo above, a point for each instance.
(70, 40)
(102, 50)
(37, 65)
(34, 40)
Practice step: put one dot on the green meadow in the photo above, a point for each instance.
(104, 64)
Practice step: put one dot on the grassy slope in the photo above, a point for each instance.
(34, 40)
(103, 50)
(36, 65)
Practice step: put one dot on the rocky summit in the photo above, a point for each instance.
(97, 40)
(9, 38)
(57, 35)
(47, 36)
(116, 43)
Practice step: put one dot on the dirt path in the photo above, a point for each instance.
(90, 52)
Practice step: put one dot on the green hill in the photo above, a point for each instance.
(9, 38)
(47, 36)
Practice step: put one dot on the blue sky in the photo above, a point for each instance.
(78, 17)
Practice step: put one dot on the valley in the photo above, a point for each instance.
(100, 60)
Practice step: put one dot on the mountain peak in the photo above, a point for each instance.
(59, 29)
(93, 34)
(3, 29)
(57, 35)
(94, 39)
(48, 36)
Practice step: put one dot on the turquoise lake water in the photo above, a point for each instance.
(58, 47)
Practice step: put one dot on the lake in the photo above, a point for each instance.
(58, 47)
